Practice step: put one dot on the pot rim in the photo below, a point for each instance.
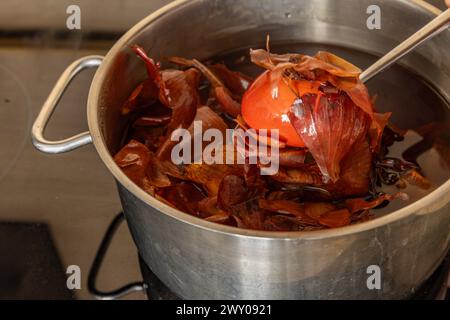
(423, 206)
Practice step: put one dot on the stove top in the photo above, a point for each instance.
(72, 196)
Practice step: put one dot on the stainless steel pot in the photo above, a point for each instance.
(199, 259)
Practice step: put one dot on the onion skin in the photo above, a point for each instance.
(320, 108)
(321, 98)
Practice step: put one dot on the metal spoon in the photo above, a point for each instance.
(436, 26)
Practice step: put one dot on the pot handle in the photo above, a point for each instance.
(37, 132)
(95, 268)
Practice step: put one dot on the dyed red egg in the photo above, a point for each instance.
(265, 105)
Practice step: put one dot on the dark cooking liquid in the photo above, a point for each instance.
(413, 103)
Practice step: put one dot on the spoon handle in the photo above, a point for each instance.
(434, 27)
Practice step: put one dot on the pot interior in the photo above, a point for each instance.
(416, 91)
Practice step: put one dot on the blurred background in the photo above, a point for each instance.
(104, 16)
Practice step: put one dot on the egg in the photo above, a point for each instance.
(267, 102)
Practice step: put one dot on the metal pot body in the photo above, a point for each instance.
(388, 257)
(198, 263)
